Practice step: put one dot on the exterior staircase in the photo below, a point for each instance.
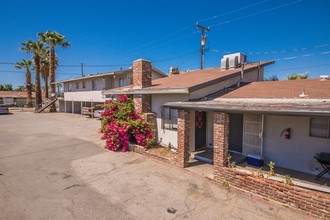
(47, 104)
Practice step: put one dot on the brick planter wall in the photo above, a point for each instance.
(310, 201)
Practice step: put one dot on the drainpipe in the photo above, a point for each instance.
(242, 71)
(258, 71)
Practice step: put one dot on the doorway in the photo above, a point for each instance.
(200, 130)
(235, 133)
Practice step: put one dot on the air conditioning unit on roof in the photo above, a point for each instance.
(231, 61)
(324, 77)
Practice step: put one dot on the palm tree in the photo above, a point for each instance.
(6, 87)
(45, 70)
(26, 64)
(38, 50)
(53, 39)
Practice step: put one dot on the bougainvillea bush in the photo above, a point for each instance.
(121, 125)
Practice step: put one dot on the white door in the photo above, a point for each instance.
(253, 134)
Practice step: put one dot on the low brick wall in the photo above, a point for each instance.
(310, 201)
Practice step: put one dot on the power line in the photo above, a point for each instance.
(256, 13)
(173, 58)
(302, 67)
(232, 11)
(276, 51)
(9, 63)
(17, 71)
(188, 26)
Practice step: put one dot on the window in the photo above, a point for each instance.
(77, 85)
(169, 118)
(122, 82)
(83, 85)
(93, 84)
(70, 87)
(319, 127)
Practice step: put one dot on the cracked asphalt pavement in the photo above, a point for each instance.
(54, 166)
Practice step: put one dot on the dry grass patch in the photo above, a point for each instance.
(162, 152)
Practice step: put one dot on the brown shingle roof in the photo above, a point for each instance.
(15, 94)
(192, 80)
(288, 89)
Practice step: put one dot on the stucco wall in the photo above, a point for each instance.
(167, 136)
(248, 77)
(88, 96)
(297, 152)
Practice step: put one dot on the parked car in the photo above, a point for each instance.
(4, 110)
(98, 113)
(91, 110)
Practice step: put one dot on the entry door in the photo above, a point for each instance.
(200, 130)
(253, 134)
(235, 132)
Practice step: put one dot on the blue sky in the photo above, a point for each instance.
(112, 34)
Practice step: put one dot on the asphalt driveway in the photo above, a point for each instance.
(53, 166)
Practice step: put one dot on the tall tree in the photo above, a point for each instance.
(38, 50)
(26, 64)
(272, 78)
(6, 87)
(297, 76)
(44, 65)
(20, 88)
(45, 71)
(53, 39)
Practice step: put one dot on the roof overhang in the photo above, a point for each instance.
(313, 107)
(130, 91)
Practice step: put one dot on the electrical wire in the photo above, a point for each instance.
(256, 13)
(188, 26)
(302, 67)
(232, 11)
(276, 51)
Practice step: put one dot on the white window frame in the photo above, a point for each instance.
(314, 126)
(93, 84)
(169, 118)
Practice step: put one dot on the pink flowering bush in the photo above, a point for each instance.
(120, 125)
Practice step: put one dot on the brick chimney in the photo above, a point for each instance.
(142, 76)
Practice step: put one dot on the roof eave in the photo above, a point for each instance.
(147, 91)
(232, 108)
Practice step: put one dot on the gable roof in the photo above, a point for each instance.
(15, 94)
(288, 89)
(119, 72)
(186, 82)
(277, 97)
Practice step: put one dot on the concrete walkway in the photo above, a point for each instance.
(53, 166)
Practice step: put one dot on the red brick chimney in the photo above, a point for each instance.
(142, 76)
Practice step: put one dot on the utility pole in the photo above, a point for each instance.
(82, 69)
(203, 42)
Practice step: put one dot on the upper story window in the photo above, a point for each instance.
(319, 127)
(77, 85)
(83, 84)
(93, 84)
(122, 82)
(70, 87)
(169, 118)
